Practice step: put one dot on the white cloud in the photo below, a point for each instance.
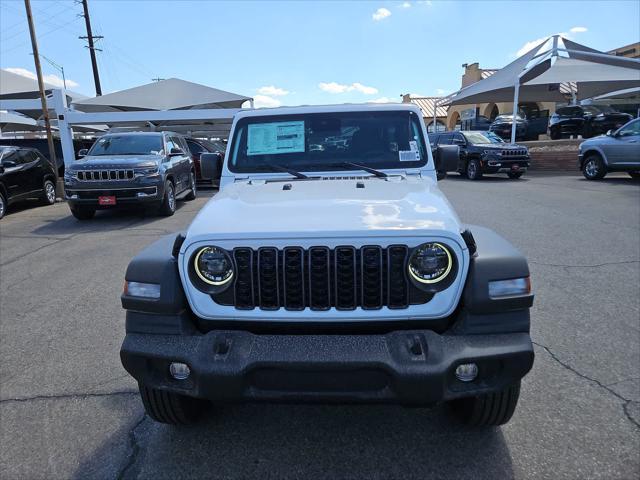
(334, 87)
(381, 14)
(265, 101)
(406, 5)
(51, 79)
(578, 29)
(534, 43)
(273, 91)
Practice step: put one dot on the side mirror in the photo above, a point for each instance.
(8, 163)
(211, 166)
(447, 158)
(83, 152)
(610, 133)
(175, 151)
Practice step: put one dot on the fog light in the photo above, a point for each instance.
(467, 372)
(179, 371)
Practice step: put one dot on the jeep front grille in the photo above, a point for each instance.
(320, 278)
(515, 153)
(105, 175)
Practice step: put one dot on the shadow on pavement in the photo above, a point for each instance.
(315, 441)
(497, 178)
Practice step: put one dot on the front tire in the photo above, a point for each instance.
(474, 170)
(555, 134)
(83, 213)
(3, 205)
(593, 167)
(171, 408)
(192, 187)
(49, 194)
(491, 409)
(168, 206)
(514, 175)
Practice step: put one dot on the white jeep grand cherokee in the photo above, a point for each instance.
(329, 267)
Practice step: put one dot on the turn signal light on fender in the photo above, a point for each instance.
(515, 287)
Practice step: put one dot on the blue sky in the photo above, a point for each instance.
(293, 53)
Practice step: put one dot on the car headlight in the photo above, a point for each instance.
(147, 171)
(213, 266)
(69, 175)
(493, 152)
(430, 263)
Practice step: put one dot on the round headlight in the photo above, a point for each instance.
(430, 263)
(213, 266)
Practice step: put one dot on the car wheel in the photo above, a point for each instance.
(192, 187)
(3, 205)
(515, 175)
(49, 193)
(634, 174)
(171, 408)
(491, 409)
(441, 175)
(83, 213)
(593, 167)
(474, 171)
(168, 206)
(554, 134)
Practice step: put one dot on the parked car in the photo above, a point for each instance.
(501, 126)
(478, 123)
(151, 169)
(587, 121)
(617, 151)
(530, 124)
(25, 173)
(329, 275)
(485, 152)
(198, 147)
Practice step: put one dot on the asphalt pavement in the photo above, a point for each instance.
(69, 410)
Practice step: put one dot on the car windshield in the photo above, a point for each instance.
(597, 109)
(328, 141)
(508, 117)
(127, 145)
(477, 138)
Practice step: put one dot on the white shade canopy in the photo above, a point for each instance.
(170, 94)
(12, 122)
(540, 71)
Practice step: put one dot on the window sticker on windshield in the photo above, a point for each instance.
(412, 155)
(275, 138)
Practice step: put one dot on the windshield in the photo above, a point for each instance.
(127, 145)
(482, 137)
(509, 117)
(326, 141)
(597, 109)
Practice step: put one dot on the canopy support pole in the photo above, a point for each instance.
(64, 129)
(516, 94)
(435, 107)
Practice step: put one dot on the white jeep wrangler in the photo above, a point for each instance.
(329, 268)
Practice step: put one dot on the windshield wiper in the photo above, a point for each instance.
(280, 168)
(373, 171)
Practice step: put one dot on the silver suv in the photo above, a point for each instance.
(617, 151)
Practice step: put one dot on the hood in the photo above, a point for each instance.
(311, 208)
(500, 146)
(116, 161)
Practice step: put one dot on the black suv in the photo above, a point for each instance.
(587, 121)
(484, 152)
(151, 169)
(25, 173)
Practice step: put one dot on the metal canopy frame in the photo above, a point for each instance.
(214, 121)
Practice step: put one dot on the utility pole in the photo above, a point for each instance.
(60, 68)
(43, 98)
(92, 48)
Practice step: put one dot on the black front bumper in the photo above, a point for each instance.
(408, 367)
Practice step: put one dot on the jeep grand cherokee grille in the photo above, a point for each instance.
(105, 175)
(320, 278)
(515, 153)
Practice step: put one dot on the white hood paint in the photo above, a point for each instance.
(397, 206)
